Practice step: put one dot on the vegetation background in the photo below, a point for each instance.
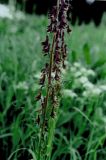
(81, 128)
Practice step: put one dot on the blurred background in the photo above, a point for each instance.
(83, 10)
(81, 128)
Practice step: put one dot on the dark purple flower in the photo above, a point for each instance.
(63, 37)
(57, 45)
(38, 97)
(64, 65)
(49, 28)
(46, 45)
(51, 74)
(58, 34)
(53, 14)
(57, 57)
(56, 68)
(53, 20)
(42, 79)
(64, 5)
(53, 113)
(64, 51)
(45, 70)
(63, 21)
(57, 76)
(68, 29)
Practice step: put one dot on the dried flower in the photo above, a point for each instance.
(46, 45)
(38, 97)
(53, 14)
(42, 79)
(53, 114)
(68, 29)
(51, 73)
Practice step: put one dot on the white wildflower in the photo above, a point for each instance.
(69, 93)
(10, 13)
(73, 69)
(19, 15)
(5, 12)
(103, 88)
(77, 74)
(96, 91)
(83, 79)
(90, 72)
(85, 94)
(88, 85)
(77, 65)
(92, 92)
(37, 76)
(83, 70)
(22, 85)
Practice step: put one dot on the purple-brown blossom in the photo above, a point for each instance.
(68, 29)
(50, 79)
(46, 45)
(38, 97)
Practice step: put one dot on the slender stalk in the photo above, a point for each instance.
(51, 60)
(51, 130)
(52, 121)
(49, 78)
(51, 66)
(48, 87)
(57, 57)
(47, 94)
(58, 3)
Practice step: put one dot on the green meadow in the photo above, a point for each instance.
(81, 127)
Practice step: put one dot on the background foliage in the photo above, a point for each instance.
(81, 131)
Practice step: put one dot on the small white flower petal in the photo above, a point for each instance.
(83, 80)
(69, 93)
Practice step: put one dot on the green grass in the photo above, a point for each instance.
(80, 132)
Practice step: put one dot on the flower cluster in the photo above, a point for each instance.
(46, 45)
(56, 50)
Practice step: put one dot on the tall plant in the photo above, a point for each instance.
(55, 50)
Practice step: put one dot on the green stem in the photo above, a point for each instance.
(52, 121)
(47, 96)
(51, 131)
